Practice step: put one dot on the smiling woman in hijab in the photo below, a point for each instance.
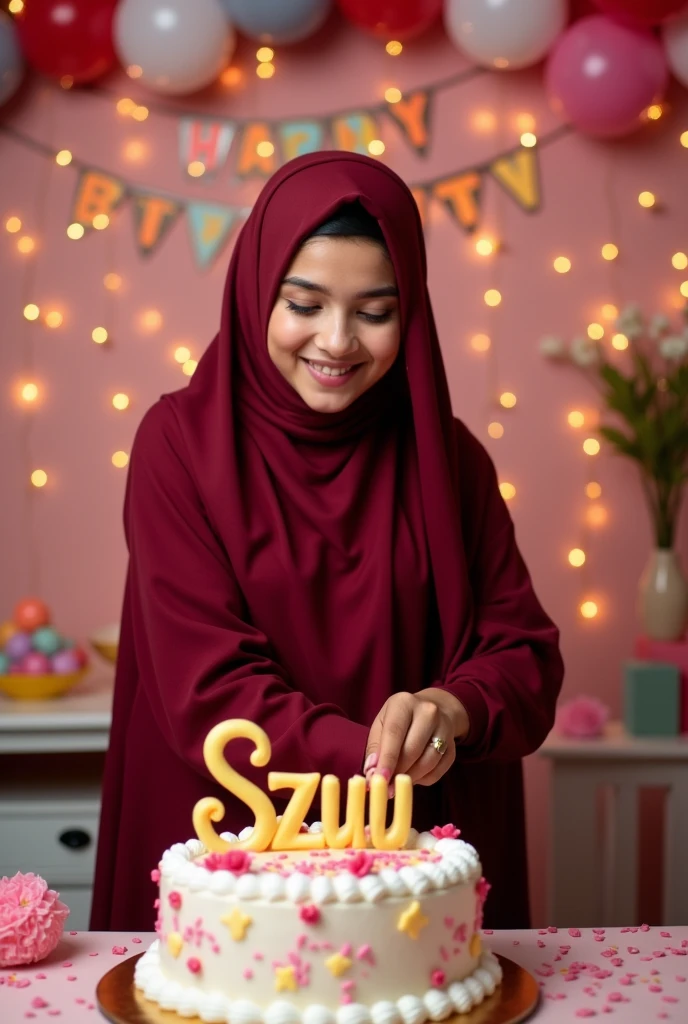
(317, 545)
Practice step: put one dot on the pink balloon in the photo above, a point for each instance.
(601, 76)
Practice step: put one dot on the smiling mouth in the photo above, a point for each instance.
(330, 370)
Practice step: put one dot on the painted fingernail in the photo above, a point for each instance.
(370, 762)
(390, 792)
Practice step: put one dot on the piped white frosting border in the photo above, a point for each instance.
(215, 1008)
(459, 864)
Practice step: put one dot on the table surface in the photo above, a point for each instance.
(637, 975)
(616, 745)
(77, 721)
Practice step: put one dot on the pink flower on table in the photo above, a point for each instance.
(236, 861)
(309, 914)
(581, 718)
(445, 832)
(31, 919)
(360, 864)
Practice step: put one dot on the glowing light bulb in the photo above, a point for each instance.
(589, 609)
(647, 200)
(63, 158)
(507, 399)
(53, 318)
(135, 151)
(529, 139)
(655, 111)
(99, 335)
(679, 261)
(101, 221)
(576, 419)
(485, 246)
(75, 231)
(484, 121)
(265, 148)
(609, 251)
(120, 401)
(140, 113)
(120, 460)
(134, 70)
(684, 139)
(525, 122)
(562, 264)
(182, 353)
(196, 168)
(231, 76)
(591, 446)
(31, 311)
(26, 244)
(189, 367)
(265, 70)
(495, 429)
(376, 147)
(13, 224)
(610, 311)
(593, 490)
(151, 320)
(619, 342)
(683, 288)
(595, 331)
(265, 54)
(480, 342)
(112, 282)
(394, 47)
(29, 392)
(125, 106)
(39, 478)
(507, 490)
(576, 557)
(15, 6)
(492, 297)
(392, 95)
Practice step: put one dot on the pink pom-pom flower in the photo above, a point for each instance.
(31, 919)
(445, 832)
(360, 864)
(582, 718)
(236, 861)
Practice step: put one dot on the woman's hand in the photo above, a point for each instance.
(400, 737)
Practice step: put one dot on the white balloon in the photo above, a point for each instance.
(180, 45)
(676, 46)
(505, 33)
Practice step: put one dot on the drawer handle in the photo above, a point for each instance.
(75, 838)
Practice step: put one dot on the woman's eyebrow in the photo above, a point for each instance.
(374, 293)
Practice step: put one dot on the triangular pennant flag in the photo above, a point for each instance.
(412, 113)
(206, 142)
(518, 174)
(354, 132)
(299, 137)
(421, 198)
(461, 195)
(210, 225)
(96, 193)
(153, 217)
(255, 154)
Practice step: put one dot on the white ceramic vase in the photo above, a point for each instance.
(663, 596)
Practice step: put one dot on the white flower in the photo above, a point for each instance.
(674, 346)
(584, 351)
(630, 322)
(552, 347)
(659, 325)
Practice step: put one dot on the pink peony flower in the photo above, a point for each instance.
(446, 832)
(582, 718)
(360, 864)
(309, 914)
(31, 919)
(236, 861)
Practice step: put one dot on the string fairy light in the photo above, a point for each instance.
(394, 47)
(647, 200)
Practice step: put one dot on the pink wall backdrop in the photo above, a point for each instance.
(65, 540)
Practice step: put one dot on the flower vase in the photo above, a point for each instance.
(663, 596)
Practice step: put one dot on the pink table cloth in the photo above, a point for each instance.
(631, 975)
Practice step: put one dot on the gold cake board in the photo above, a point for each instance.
(121, 1003)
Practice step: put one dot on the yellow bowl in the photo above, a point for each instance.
(25, 687)
(105, 641)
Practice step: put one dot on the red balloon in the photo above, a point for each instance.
(641, 12)
(392, 19)
(68, 39)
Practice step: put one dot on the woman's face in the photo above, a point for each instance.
(334, 328)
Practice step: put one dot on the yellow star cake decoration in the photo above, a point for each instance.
(285, 979)
(237, 924)
(175, 943)
(476, 945)
(337, 964)
(412, 920)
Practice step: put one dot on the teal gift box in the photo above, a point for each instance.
(651, 698)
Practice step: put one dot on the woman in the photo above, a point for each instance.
(317, 545)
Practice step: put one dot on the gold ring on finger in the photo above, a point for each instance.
(438, 744)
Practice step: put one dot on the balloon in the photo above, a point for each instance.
(31, 613)
(11, 64)
(180, 45)
(68, 38)
(392, 19)
(273, 21)
(601, 76)
(510, 34)
(641, 12)
(676, 46)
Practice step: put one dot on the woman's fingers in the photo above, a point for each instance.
(431, 766)
(387, 735)
(424, 725)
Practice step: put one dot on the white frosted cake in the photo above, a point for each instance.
(321, 936)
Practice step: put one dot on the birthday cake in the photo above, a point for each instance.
(384, 930)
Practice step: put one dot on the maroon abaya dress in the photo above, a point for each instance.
(297, 568)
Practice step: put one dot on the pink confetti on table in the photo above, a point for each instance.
(632, 949)
(665, 935)
(41, 977)
(575, 933)
(39, 1003)
(585, 1011)
(71, 977)
(67, 963)
(73, 933)
(119, 950)
(93, 954)
(137, 941)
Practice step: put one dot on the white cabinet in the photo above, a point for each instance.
(51, 763)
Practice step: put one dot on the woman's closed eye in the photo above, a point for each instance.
(373, 318)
